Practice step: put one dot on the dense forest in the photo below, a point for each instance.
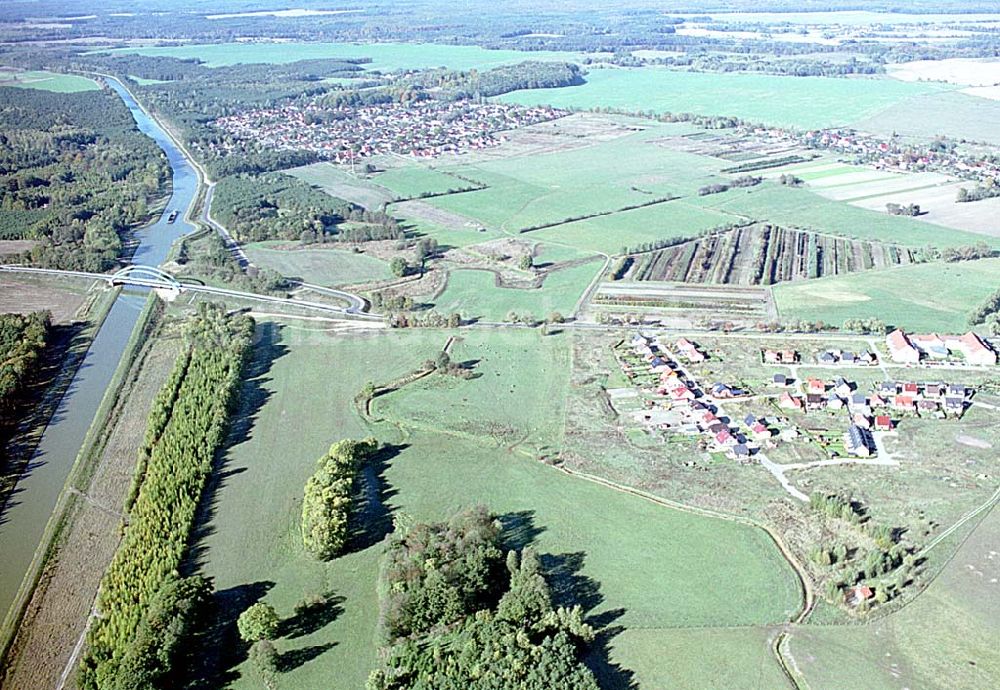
(75, 174)
(22, 339)
(276, 207)
(186, 425)
(459, 612)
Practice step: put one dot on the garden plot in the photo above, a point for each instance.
(881, 183)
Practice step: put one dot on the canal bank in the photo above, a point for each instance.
(30, 514)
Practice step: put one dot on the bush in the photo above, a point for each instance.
(259, 622)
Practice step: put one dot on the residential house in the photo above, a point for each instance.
(862, 421)
(725, 438)
(848, 357)
(826, 357)
(842, 387)
(788, 401)
(760, 432)
(901, 349)
(815, 401)
(888, 388)
(834, 401)
(931, 345)
(741, 451)
(857, 594)
(954, 405)
(858, 400)
(779, 380)
(815, 386)
(903, 403)
(955, 390)
(925, 405)
(934, 390)
(750, 420)
(856, 442)
(690, 351)
(883, 423)
(909, 388)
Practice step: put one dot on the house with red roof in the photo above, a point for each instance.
(901, 349)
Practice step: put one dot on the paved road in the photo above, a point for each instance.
(351, 311)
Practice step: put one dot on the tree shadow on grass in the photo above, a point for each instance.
(519, 529)
(216, 650)
(570, 588)
(312, 616)
(252, 397)
(293, 658)
(372, 521)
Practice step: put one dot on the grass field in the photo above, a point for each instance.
(591, 536)
(932, 296)
(474, 294)
(777, 100)
(385, 56)
(413, 181)
(944, 639)
(47, 81)
(329, 267)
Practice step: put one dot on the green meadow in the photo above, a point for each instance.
(413, 181)
(48, 81)
(640, 568)
(805, 102)
(932, 296)
(385, 56)
(474, 294)
(329, 267)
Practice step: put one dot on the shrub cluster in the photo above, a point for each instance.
(189, 425)
(455, 617)
(326, 504)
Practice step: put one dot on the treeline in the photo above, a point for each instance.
(966, 252)
(75, 174)
(276, 206)
(456, 611)
(753, 166)
(190, 414)
(598, 214)
(719, 187)
(758, 63)
(473, 84)
(327, 501)
(987, 312)
(22, 340)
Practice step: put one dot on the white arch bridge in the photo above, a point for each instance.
(139, 275)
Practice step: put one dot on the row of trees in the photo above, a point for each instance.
(458, 612)
(719, 187)
(977, 193)
(22, 340)
(75, 174)
(327, 501)
(190, 419)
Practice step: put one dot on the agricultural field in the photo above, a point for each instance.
(251, 544)
(342, 185)
(328, 267)
(386, 57)
(952, 113)
(763, 255)
(801, 208)
(804, 102)
(923, 297)
(476, 294)
(47, 81)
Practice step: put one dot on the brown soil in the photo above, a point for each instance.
(22, 296)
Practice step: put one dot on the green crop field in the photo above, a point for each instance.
(48, 81)
(329, 267)
(474, 294)
(385, 56)
(609, 234)
(643, 567)
(547, 188)
(777, 100)
(801, 208)
(931, 296)
(944, 639)
(413, 181)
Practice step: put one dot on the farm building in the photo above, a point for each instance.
(901, 349)
(972, 348)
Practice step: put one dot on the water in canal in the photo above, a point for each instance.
(24, 517)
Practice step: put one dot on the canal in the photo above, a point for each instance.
(24, 517)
